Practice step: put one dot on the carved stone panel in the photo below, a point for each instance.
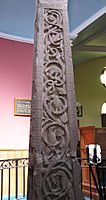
(53, 132)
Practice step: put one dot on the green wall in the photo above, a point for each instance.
(90, 92)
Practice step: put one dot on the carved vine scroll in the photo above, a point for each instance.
(55, 133)
(53, 173)
(57, 180)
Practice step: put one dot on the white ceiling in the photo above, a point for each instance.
(91, 42)
(17, 21)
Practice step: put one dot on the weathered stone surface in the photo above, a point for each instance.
(53, 169)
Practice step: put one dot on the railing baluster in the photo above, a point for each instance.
(99, 181)
(1, 184)
(16, 195)
(23, 181)
(81, 176)
(9, 184)
(103, 179)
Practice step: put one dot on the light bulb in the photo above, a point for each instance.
(103, 110)
(103, 76)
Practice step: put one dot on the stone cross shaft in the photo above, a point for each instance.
(53, 172)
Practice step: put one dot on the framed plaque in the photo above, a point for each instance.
(22, 107)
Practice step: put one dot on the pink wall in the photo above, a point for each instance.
(15, 81)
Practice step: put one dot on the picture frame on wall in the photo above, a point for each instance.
(22, 107)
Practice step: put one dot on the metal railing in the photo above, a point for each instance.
(94, 176)
(13, 177)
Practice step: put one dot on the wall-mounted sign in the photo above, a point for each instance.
(22, 107)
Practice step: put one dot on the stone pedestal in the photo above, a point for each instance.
(54, 173)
